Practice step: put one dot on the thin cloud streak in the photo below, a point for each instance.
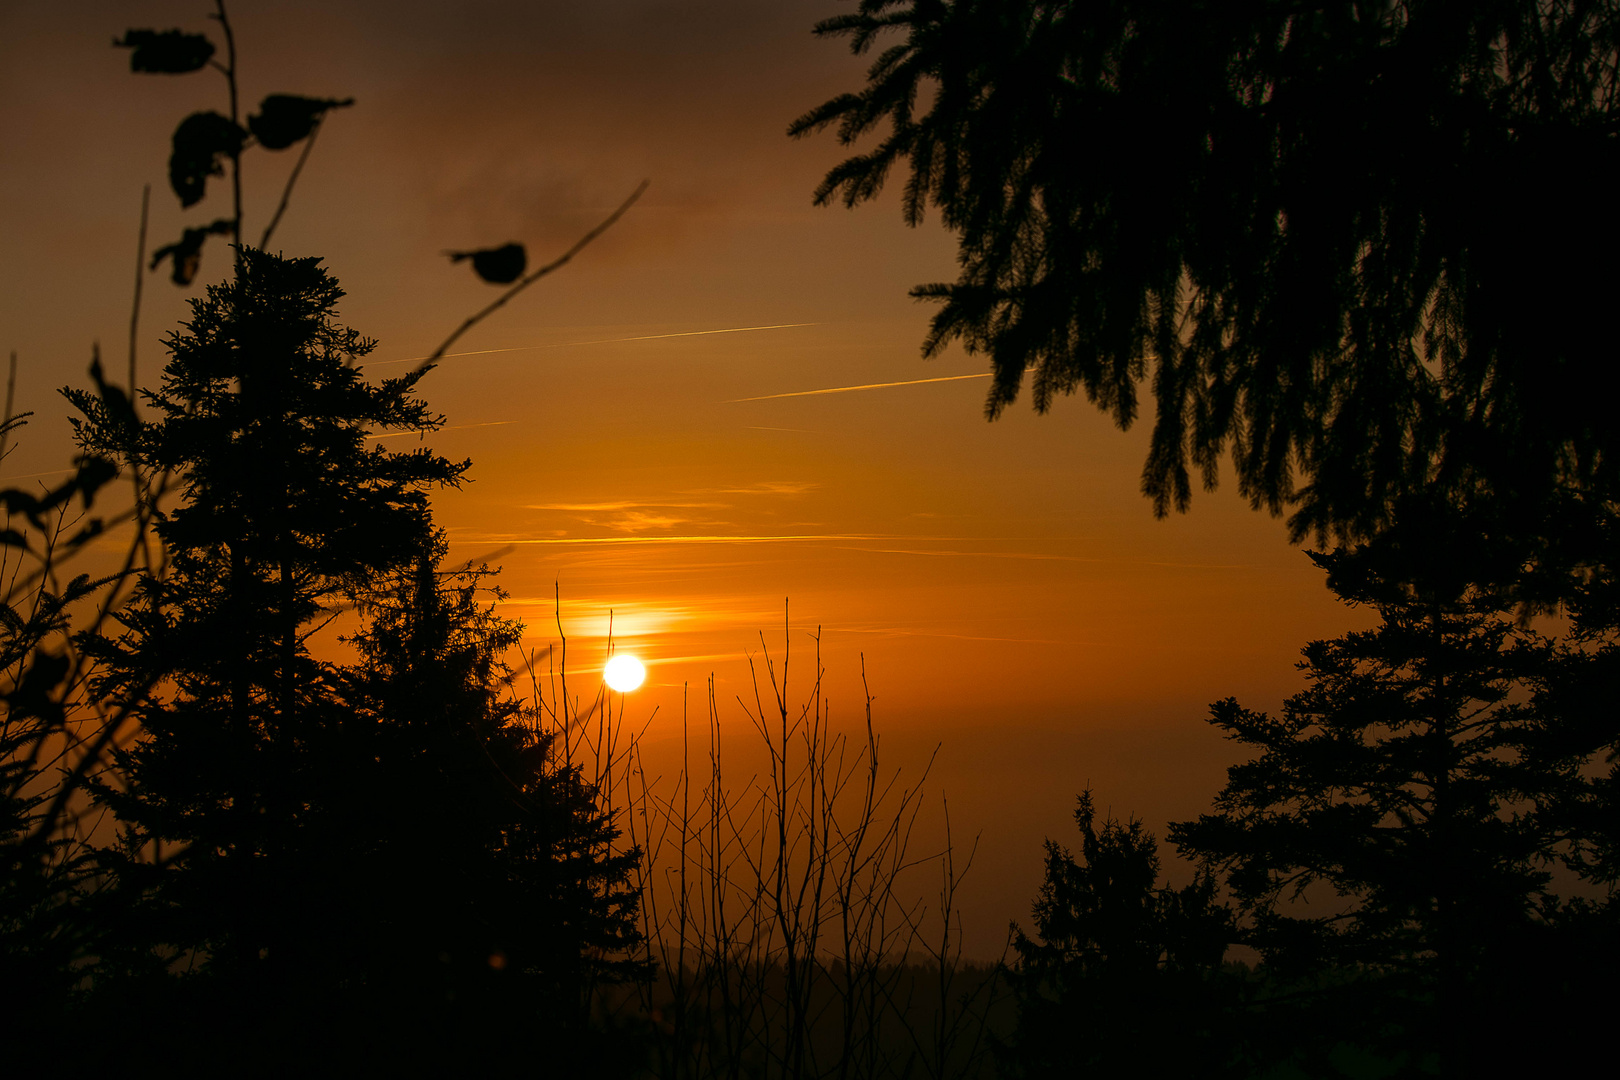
(701, 539)
(850, 389)
(1055, 558)
(699, 658)
(606, 507)
(984, 554)
(601, 341)
(433, 431)
(853, 538)
(34, 475)
(768, 487)
(902, 631)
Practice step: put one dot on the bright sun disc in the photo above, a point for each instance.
(624, 673)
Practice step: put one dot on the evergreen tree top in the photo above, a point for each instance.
(1351, 245)
(264, 413)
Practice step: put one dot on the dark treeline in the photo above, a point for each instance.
(387, 845)
(1342, 245)
(1346, 250)
(224, 851)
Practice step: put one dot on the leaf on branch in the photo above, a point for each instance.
(113, 398)
(199, 142)
(170, 52)
(284, 119)
(92, 529)
(18, 501)
(187, 251)
(13, 538)
(94, 474)
(32, 697)
(498, 266)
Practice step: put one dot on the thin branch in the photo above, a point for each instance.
(136, 479)
(236, 158)
(555, 264)
(11, 397)
(140, 277)
(286, 192)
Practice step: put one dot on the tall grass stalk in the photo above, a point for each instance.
(784, 920)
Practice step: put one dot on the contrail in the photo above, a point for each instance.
(450, 427)
(602, 341)
(33, 475)
(865, 386)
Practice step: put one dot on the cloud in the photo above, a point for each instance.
(447, 427)
(603, 341)
(643, 623)
(686, 539)
(639, 521)
(863, 386)
(609, 507)
(765, 487)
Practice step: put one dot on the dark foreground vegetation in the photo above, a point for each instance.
(1342, 243)
(1345, 250)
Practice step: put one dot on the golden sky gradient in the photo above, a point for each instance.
(649, 429)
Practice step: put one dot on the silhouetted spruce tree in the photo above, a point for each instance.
(1579, 689)
(1123, 977)
(231, 800)
(380, 861)
(498, 903)
(1391, 847)
(1348, 244)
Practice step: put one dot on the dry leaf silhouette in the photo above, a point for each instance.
(169, 52)
(187, 251)
(284, 119)
(498, 266)
(199, 142)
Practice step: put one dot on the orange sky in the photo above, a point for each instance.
(1006, 583)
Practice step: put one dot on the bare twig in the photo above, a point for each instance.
(530, 279)
(286, 192)
(236, 118)
(11, 397)
(140, 277)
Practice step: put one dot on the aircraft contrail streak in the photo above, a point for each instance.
(602, 341)
(450, 427)
(32, 475)
(865, 386)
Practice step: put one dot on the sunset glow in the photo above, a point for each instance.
(711, 438)
(624, 673)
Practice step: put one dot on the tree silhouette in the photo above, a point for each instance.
(489, 881)
(1123, 977)
(1397, 832)
(287, 514)
(383, 857)
(380, 864)
(1349, 245)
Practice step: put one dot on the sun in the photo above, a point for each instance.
(624, 673)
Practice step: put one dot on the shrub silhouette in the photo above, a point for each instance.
(1392, 845)
(1124, 976)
